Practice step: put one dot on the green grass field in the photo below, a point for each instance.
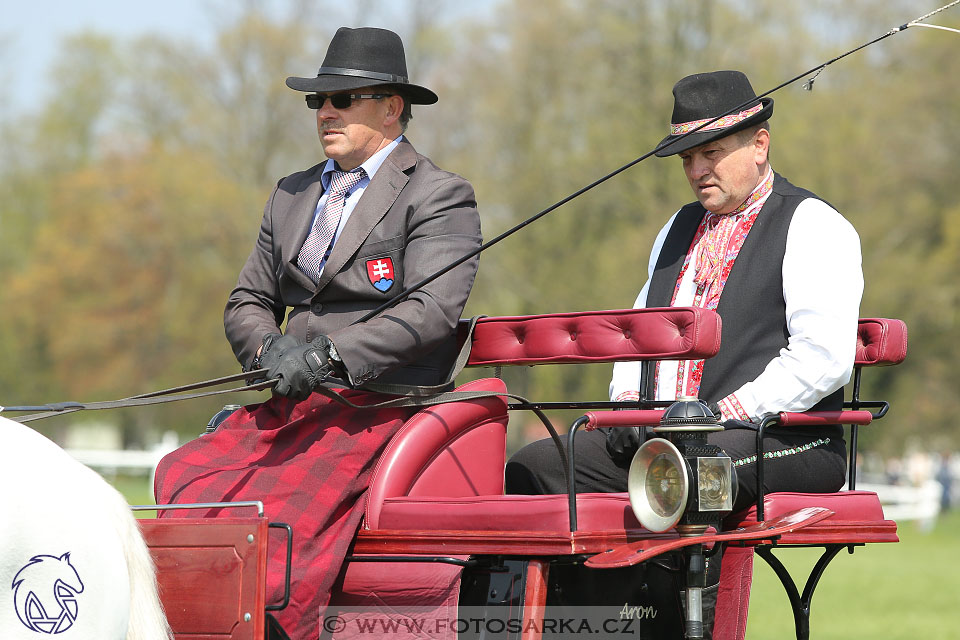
(136, 489)
(909, 590)
(904, 591)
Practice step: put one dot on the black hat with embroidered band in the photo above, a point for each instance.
(364, 57)
(704, 96)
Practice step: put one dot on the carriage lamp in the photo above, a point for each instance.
(680, 480)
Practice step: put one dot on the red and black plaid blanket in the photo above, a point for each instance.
(310, 464)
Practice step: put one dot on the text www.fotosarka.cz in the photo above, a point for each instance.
(486, 622)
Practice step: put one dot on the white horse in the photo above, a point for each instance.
(72, 560)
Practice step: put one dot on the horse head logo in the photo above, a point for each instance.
(45, 593)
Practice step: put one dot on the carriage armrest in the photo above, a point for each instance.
(823, 418)
(452, 449)
(675, 333)
(881, 342)
(624, 418)
(648, 417)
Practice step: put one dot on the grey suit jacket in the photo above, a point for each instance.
(412, 220)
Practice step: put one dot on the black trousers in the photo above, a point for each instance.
(812, 461)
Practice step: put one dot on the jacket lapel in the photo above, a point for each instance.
(376, 200)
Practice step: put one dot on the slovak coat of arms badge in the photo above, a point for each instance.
(380, 273)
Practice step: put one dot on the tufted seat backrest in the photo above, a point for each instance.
(596, 336)
(458, 449)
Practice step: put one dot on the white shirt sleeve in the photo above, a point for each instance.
(625, 383)
(822, 288)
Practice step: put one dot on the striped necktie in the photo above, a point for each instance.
(316, 248)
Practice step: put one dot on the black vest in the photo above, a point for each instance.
(751, 306)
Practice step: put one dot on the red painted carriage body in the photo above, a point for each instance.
(438, 492)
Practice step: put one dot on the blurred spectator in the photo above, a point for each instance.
(894, 470)
(945, 478)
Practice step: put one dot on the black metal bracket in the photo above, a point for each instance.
(800, 602)
(571, 472)
(286, 577)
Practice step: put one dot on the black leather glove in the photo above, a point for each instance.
(715, 410)
(622, 443)
(301, 368)
(274, 346)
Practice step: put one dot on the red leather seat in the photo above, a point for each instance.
(595, 512)
(846, 505)
(858, 517)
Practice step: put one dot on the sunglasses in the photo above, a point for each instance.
(341, 100)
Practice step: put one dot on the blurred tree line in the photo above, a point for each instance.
(130, 198)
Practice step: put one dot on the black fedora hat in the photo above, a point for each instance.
(364, 57)
(704, 96)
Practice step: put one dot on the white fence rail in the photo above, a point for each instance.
(109, 462)
(900, 502)
(908, 502)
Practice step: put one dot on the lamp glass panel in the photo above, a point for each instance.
(714, 484)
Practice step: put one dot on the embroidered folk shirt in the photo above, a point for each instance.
(822, 286)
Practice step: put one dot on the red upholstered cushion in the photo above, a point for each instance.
(596, 336)
(846, 505)
(455, 449)
(881, 342)
(595, 512)
(431, 587)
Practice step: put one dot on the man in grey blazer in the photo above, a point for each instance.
(340, 238)
(337, 241)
